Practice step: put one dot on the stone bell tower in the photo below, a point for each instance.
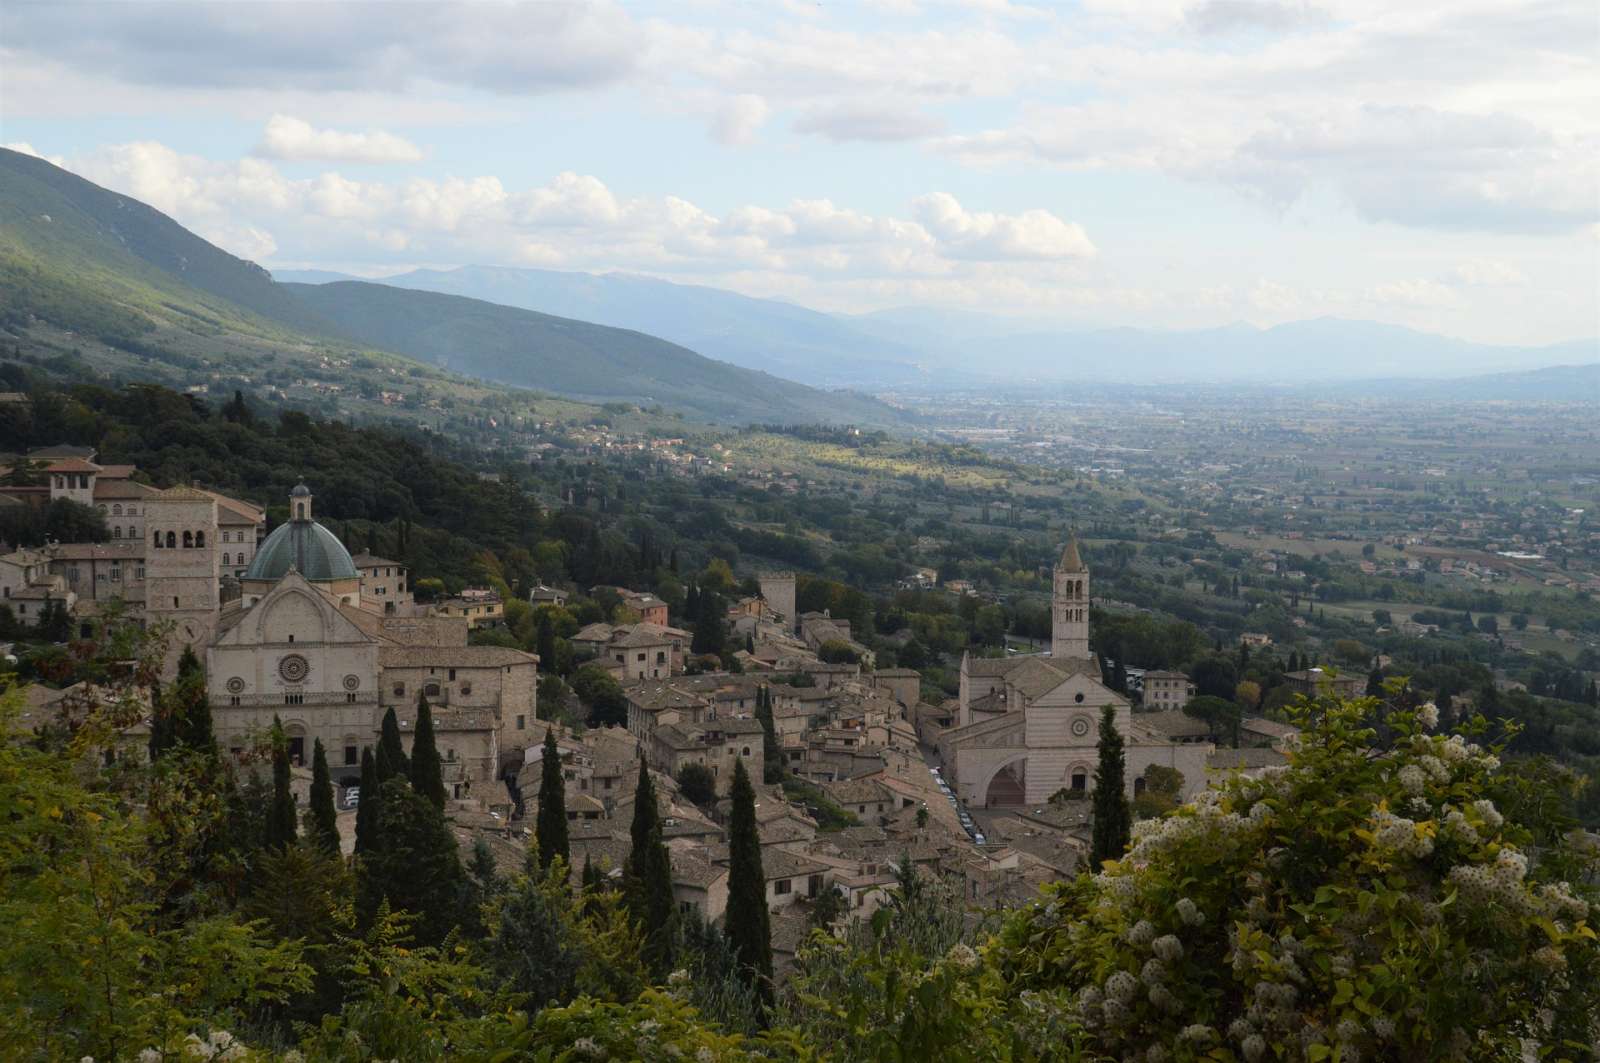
(1069, 612)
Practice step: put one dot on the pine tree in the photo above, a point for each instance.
(1375, 683)
(367, 809)
(391, 757)
(280, 815)
(747, 921)
(1112, 819)
(552, 823)
(648, 875)
(190, 715)
(427, 773)
(545, 646)
(323, 825)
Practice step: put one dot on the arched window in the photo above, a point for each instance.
(299, 511)
(200, 539)
(102, 509)
(155, 540)
(116, 510)
(188, 540)
(431, 689)
(1080, 780)
(225, 559)
(172, 540)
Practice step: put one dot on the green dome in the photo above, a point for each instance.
(314, 551)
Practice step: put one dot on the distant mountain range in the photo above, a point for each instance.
(1560, 383)
(82, 258)
(925, 346)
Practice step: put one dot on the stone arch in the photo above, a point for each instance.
(1079, 777)
(1007, 785)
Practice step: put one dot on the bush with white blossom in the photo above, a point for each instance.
(1358, 904)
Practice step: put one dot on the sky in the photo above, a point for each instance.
(1151, 163)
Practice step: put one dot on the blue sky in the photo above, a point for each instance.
(1166, 163)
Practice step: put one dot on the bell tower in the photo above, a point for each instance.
(1069, 612)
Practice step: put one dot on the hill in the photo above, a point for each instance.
(577, 358)
(101, 274)
(766, 334)
(1557, 383)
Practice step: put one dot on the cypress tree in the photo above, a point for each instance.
(412, 863)
(191, 712)
(391, 757)
(1375, 683)
(747, 922)
(280, 814)
(427, 773)
(163, 731)
(367, 810)
(771, 752)
(324, 823)
(648, 875)
(552, 823)
(545, 646)
(1112, 819)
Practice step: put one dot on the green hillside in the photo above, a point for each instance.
(99, 268)
(86, 258)
(530, 349)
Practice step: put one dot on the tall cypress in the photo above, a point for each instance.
(747, 922)
(427, 773)
(552, 823)
(1112, 819)
(191, 712)
(280, 814)
(163, 729)
(324, 823)
(391, 757)
(367, 810)
(648, 877)
(771, 752)
(545, 643)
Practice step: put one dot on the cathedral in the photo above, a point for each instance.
(321, 640)
(1028, 726)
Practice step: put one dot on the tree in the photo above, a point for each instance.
(648, 878)
(545, 641)
(163, 729)
(367, 808)
(837, 651)
(391, 758)
(1248, 694)
(697, 784)
(710, 629)
(1112, 818)
(412, 862)
(191, 708)
(322, 824)
(552, 823)
(1222, 715)
(1215, 675)
(281, 817)
(427, 772)
(747, 921)
(771, 751)
(600, 691)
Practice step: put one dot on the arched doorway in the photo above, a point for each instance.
(1009, 787)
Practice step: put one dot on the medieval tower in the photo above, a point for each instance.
(1069, 612)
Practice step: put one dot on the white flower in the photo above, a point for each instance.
(1428, 713)
(1168, 947)
(1413, 780)
(704, 1054)
(1190, 912)
(962, 957)
(1120, 987)
(1550, 958)
(589, 1048)
(1153, 973)
(1254, 1047)
(149, 1055)
(1142, 933)
(1382, 1027)
(1198, 1032)
(1490, 815)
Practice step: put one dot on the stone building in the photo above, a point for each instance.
(1027, 727)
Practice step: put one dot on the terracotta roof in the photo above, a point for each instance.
(1070, 561)
(115, 489)
(1173, 724)
(185, 494)
(395, 656)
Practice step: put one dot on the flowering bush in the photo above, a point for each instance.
(1357, 904)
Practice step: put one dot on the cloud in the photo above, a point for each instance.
(865, 121)
(28, 149)
(1033, 234)
(739, 118)
(294, 140)
(1233, 16)
(1487, 273)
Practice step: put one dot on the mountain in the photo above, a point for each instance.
(103, 267)
(577, 358)
(765, 334)
(1558, 383)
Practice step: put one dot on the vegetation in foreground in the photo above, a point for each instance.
(1394, 893)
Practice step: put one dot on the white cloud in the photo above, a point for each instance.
(28, 149)
(1487, 273)
(739, 118)
(295, 140)
(1033, 234)
(866, 121)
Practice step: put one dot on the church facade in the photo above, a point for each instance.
(304, 643)
(1027, 727)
